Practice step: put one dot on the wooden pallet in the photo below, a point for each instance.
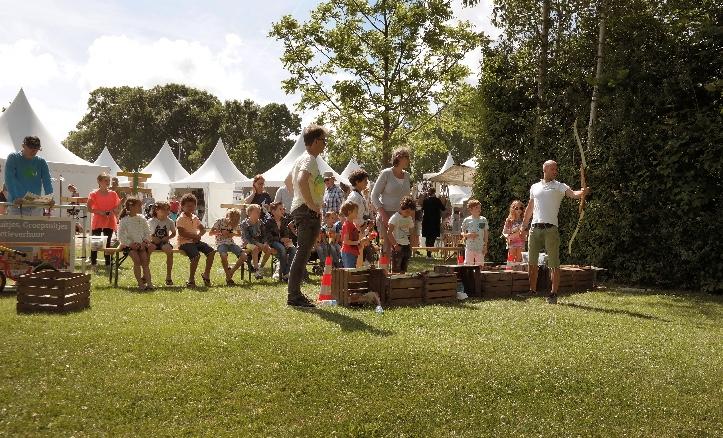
(53, 291)
(466, 274)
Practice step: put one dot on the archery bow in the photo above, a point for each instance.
(583, 182)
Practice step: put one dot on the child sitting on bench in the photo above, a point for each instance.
(253, 237)
(162, 231)
(134, 236)
(225, 229)
(190, 231)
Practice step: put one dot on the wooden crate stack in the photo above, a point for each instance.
(466, 274)
(440, 288)
(495, 283)
(348, 286)
(53, 291)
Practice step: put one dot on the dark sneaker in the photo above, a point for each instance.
(300, 301)
(552, 299)
(528, 294)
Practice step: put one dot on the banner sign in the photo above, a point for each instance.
(39, 239)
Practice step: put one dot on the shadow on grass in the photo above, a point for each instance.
(613, 311)
(347, 323)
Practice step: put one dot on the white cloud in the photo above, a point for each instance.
(121, 60)
(24, 63)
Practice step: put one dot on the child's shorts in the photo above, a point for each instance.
(472, 257)
(193, 250)
(400, 259)
(225, 248)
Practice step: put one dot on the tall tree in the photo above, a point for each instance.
(378, 69)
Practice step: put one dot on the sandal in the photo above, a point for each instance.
(206, 281)
(169, 282)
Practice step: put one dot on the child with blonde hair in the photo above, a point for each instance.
(134, 236)
(225, 229)
(253, 237)
(475, 231)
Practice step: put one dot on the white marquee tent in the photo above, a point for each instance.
(350, 167)
(216, 177)
(276, 176)
(457, 194)
(105, 159)
(164, 169)
(19, 120)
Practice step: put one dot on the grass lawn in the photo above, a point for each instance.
(237, 361)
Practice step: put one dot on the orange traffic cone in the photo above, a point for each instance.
(325, 293)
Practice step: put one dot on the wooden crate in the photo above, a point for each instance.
(53, 291)
(440, 288)
(403, 290)
(348, 286)
(496, 283)
(520, 282)
(584, 279)
(466, 274)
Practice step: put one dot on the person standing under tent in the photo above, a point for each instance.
(103, 204)
(308, 189)
(26, 172)
(392, 185)
(432, 208)
(541, 219)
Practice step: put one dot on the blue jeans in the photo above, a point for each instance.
(349, 259)
(329, 249)
(308, 225)
(285, 256)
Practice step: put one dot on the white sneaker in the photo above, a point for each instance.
(379, 310)
(462, 296)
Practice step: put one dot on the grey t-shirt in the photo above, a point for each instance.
(389, 190)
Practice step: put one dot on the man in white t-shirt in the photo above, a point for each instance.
(545, 198)
(308, 192)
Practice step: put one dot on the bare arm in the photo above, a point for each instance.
(390, 236)
(528, 213)
(577, 194)
(289, 183)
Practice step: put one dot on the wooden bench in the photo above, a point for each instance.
(118, 257)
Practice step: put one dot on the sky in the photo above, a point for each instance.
(60, 50)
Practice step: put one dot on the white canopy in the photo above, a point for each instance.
(350, 167)
(106, 159)
(447, 164)
(165, 169)
(472, 162)
(457, 194)
(216, 177)
(276, 176)
(18, 121)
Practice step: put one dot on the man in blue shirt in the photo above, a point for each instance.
(26, 172)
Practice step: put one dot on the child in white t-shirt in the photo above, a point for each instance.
(400, 227)
(475, 231)
(134, 236)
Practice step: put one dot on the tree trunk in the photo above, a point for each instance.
(598, 77)
(542, 68)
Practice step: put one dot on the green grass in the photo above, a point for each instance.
(237, 361)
